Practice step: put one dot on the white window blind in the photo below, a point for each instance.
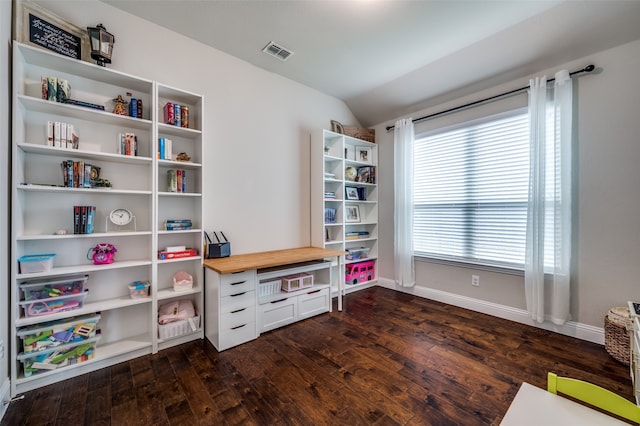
(470, 195)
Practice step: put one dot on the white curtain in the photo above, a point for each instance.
(548, 240)
(403, 212)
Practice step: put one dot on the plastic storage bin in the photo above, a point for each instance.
(58, 334)
(139, 289)
(52, 359)
(52, 305)
(33, 263)
(47, 289)
(357, 253)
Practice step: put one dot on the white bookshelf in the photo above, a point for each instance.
(333, 156)
(42, 205)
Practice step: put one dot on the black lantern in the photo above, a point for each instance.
(101, 44)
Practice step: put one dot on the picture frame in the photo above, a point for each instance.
(352, 214)
(38, 27)
(363, 154)
(351, 193)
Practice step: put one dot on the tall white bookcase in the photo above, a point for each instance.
(344, 182)
(42, 205)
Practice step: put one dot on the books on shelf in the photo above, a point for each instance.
(127, 144)
(62, 135)
(78, 174)
(165, 149)
(83, 104)
(177, 180)
(329, 215)
(83, 219)
(178, 224)
(366, 174)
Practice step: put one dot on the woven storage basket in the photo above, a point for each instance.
(617, 326)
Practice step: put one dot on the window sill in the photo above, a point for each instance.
(470, 265)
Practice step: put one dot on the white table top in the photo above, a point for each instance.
(535, 406)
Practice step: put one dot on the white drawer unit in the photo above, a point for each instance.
(230, 304)
(238, 308)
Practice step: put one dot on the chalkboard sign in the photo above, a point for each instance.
(54, 38)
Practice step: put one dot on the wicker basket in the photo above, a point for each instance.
(617, 326)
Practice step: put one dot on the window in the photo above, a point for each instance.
(470, 191)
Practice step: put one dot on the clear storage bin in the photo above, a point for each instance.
(58, 334)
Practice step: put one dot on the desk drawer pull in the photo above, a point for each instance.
(237, 327)
(238, 310)
(238, 294)
(238, 282)
(314, 291)
(280, 300)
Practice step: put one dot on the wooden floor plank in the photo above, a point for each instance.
(388, 358)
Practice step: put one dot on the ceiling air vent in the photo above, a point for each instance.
(277, 51)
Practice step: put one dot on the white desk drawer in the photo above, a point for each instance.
(278, 313)
(237, 283)
(230, 337)
(237, 301)
(313, 303)
(238, 317)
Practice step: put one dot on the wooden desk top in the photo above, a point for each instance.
(268, 259)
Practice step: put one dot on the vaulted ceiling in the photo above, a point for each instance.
(388, 58)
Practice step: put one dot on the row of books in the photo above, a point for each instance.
(62, 135)
(127, 144)
(330, 195)
(329, 215)
(78, 174)
(164, 149)
(366, 174)
(83, 219)
(178, 224)
(177, 180)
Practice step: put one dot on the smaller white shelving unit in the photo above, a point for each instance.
(344, 204)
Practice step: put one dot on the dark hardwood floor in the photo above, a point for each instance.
(387, 359)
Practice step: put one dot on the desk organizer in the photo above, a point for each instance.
(296, 282)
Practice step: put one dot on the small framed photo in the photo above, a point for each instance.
(351, 193)
(363, 154)
(352, 214)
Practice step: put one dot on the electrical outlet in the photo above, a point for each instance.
(475, 280)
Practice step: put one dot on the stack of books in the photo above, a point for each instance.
(177, 224)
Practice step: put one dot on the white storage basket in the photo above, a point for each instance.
(178, 328)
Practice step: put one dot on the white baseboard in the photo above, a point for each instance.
(571, 328)
(5, 396)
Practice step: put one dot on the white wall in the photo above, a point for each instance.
(5, 192)
(607, 224)
(257, 126)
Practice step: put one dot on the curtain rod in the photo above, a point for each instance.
(588, 68)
